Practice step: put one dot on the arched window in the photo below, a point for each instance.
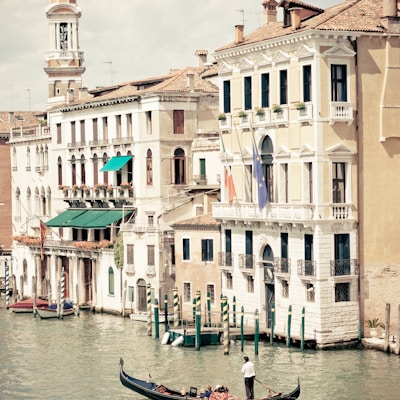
(59, 171)
(83, 169)
(42, 202)
(48, 200)
(73, 170)
(179, 167)
(37, 201)
(269, 279)
(105, 174)
(25, 270)
(46, 158)
(95, 168)
(267, 150)
(149, 168)
(110, 281)
(17, 204)
(28, 158)
(15, 159)
(28, 202)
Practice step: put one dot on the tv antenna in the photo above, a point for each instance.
(111, 71)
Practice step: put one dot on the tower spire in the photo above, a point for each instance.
(64, 59)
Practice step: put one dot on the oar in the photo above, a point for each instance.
(267, 387)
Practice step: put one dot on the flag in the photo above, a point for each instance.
(43, 233)
(228, 176)
(258, 174)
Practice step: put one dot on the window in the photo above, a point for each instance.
(342, 292)
(179, 122)
(179, 167)
(185, 249)
(267, 150)
(118, 123)
(284, 183)
(105, 173)
(149, 124)
(250, 284)
(306, 83)
(95, 168)
(308, 182)
(202, 168)
(285, 289)
(63, 32)
(247, 93)
(82, 129)
(228, 248)
(149, 168)
(187, 292)
(59, 170)
(59, 134)
(338, 182)
(105, 128)
(150, 255)
(226, 87)
(342, 254)
(83, 169)
(95, 130)
(309, 255)
(265, 90)
(211, 292)
(207, 251)
(130, 254)
(73, 132)
(131, 294)
(249, 248)
(73, 170)
(129, 125)
(310, 290)
(338, 82)
(110, 281)
(283, 86)
(284, 252)
(229, 281)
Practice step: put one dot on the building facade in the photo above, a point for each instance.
(298, 104)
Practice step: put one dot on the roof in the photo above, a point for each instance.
(14, 119)
(350, 15)
(201, 222)
(174, 82)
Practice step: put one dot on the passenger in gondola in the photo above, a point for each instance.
(206, 393)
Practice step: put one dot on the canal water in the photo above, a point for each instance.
(78, 358)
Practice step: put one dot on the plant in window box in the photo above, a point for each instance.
(99, 186)
(222, 117)
(242, 114)
(260, 112)
(300, 106)
(276, 108)
(110, 190)
(75, 188)
(121, 190)
(125, 185)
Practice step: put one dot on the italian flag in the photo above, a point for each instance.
(228, 175)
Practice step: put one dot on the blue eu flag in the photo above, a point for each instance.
(258, 174)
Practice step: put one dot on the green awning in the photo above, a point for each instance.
(87, 219)
(65, 218)
(116, 163)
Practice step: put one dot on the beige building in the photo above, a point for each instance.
(197, 241)
(311, 95)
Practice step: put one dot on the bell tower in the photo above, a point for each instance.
(63, 60)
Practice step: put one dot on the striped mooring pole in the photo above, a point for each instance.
(198, 320)
(303, 313)
(156, 320)
(62, 293)
(7, 284)
(234, 311)
(149, 327)
(242, 329)
(257, 332)
(226, 325)
(166, 312)
(271, 338)
(289, 324)
(176, 308)
(209, 308)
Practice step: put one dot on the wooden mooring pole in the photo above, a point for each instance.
(397, 348)
(386, 345)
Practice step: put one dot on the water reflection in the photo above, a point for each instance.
(77, 358)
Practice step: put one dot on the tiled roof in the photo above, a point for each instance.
(351, 15)
(10, 120)
(203, 221)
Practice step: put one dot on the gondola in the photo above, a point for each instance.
(155, 391)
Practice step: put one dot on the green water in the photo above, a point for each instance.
(78, 357)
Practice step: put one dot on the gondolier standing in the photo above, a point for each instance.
(249, 373)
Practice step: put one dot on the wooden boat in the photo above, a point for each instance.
(26, 306)
(51, 311)
(154, 391)
(143, 317)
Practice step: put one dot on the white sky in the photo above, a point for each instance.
(141, 38)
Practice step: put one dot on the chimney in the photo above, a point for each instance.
(70, 95)
(202, 54)
(190, 81)
(270, 12)
(11, 117)
(389, 8)
(239, 33)
(295, 15)
(83, 92)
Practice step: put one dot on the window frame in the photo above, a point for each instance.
(185, 249)
(265, 89)
(339, 85)
(247, 92)
(207, 250)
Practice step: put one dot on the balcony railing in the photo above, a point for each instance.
(200, 179)
(344, 267)
(341, 211)
(306, 267)
(122, 140)
(246, 263)
(282, 265)
(98, 142)
(106, 193)
(225, 261)
(341, 112)
(281, 117)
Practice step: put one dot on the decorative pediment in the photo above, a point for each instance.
(306, 151)
(280, 57)
(305, 52)
(224, 69)
(282, 152)
(246, 64)
(339, 51)
(340, 150)
(263, 61)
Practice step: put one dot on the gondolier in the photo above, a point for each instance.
(249, 374)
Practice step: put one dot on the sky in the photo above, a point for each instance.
(122, 40)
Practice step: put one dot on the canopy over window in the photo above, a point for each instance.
(115, 163)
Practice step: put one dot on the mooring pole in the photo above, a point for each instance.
(226, 326)
(209, 308)
(234, 311)
(156, 320)
(302, 327)
(386, 345)
(7, 284)
(257, 332)
(176, 308)
(289, 326)
(149, 326)
(242, 329)
(271, 338)
(166, 312)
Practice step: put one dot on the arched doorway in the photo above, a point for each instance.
(269, 280)
(141, 304)
(267, 161)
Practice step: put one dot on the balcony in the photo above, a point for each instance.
(122, 140)
(305, 114)
(306, 268)
(98, 143)
(282, 266)
(341, 112)
(262, 117)
(344, 267)
(341, 211)
(200, 179)
(246, 263)
(225, 261)
(225, 124)
(76, 145)
(280, 115)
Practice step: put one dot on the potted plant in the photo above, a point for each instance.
(300, 106)
(222, 117)
(276, 108)
(242, 114)
(260, 112)
(373, 325)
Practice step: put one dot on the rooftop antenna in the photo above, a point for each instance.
(242, 12)
(111, 70)
(29, 99)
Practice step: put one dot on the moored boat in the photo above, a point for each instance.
(26, 306)
(51, 311)
(155, 391)
(143, 317)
